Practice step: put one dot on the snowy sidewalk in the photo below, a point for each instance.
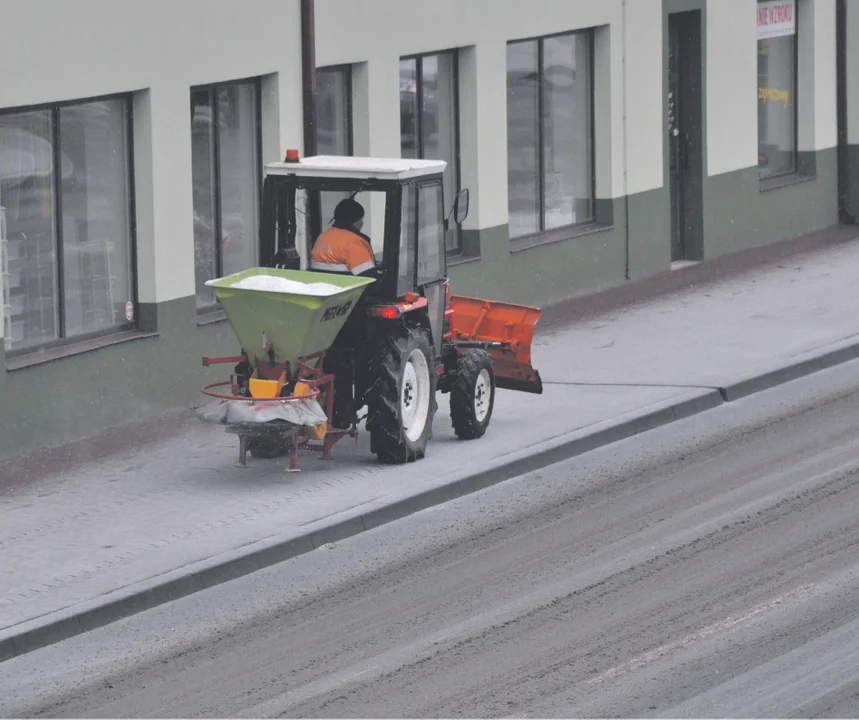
(123, 525)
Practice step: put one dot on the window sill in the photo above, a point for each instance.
(782, 181)
(557, 235)
(461, 259)
(211, 317)
(46, 356)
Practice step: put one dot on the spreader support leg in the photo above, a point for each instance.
(243, 450)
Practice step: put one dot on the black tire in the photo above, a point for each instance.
(472, 394)
(394, 387)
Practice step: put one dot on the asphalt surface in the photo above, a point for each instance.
(704, 569)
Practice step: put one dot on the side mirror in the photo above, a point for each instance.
(460, 206)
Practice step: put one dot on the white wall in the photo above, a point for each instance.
(732, 83)
(825, 76)
(87, 48)
(818, 120)
(644, 95)
(347, 33)
(68, 50)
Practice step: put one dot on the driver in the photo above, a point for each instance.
(343, 248)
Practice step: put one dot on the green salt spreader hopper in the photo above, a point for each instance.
(297, 324)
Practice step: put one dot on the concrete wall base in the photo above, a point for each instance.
(740, 214)
(84, 394)
(853, 180)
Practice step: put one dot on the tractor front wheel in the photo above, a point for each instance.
(401, 400)
(472, 394)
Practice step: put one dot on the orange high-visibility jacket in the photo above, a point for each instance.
(338, 250)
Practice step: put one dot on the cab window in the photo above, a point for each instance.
(408, 222)
(431, 247)
(373, 203)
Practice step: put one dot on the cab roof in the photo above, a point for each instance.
(358, 168)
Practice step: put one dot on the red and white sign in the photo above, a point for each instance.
(776, 18)
(129, 311)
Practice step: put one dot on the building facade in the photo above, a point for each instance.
(601, 141)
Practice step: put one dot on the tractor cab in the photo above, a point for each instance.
(406, 218)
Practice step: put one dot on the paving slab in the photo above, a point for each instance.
(711, 336)
(131, 528)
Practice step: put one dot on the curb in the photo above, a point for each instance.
(62, 625)
(768, 380)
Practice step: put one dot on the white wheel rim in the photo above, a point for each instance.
(415, 395)
(482, 396)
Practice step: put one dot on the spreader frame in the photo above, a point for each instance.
(294, 437)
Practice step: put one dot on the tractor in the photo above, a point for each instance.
(319, 348)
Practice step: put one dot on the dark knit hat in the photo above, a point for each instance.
(348, 211)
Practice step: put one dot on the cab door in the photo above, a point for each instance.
(431, 259)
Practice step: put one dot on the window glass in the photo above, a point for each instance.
(367, 200)
(303, 242)
(226, 171)
(428, 120)
(439, 127)
(238, 163)
(334, 129)
(566, 131)
(409, 142)
(431, 249)
(282, 218)
(376, 232)
(96, 231)
(777, 82)
(408, 225)
(549, 133)
(204, 188)
(523, 138)
(65, 233)
(28, 230)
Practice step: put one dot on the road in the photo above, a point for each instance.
(707, 568)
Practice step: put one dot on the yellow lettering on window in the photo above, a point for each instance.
(774, 94)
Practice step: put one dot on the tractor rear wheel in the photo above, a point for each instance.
(472, 394)
(401, 399)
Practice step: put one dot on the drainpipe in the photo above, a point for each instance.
(625, 144)
(845, 216)
(309, 95)
(308, 75)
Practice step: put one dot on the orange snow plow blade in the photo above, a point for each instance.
(506, 331)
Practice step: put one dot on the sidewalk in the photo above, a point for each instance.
(89, 544)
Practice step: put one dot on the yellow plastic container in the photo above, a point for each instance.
(265, 389)
(303, 390)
